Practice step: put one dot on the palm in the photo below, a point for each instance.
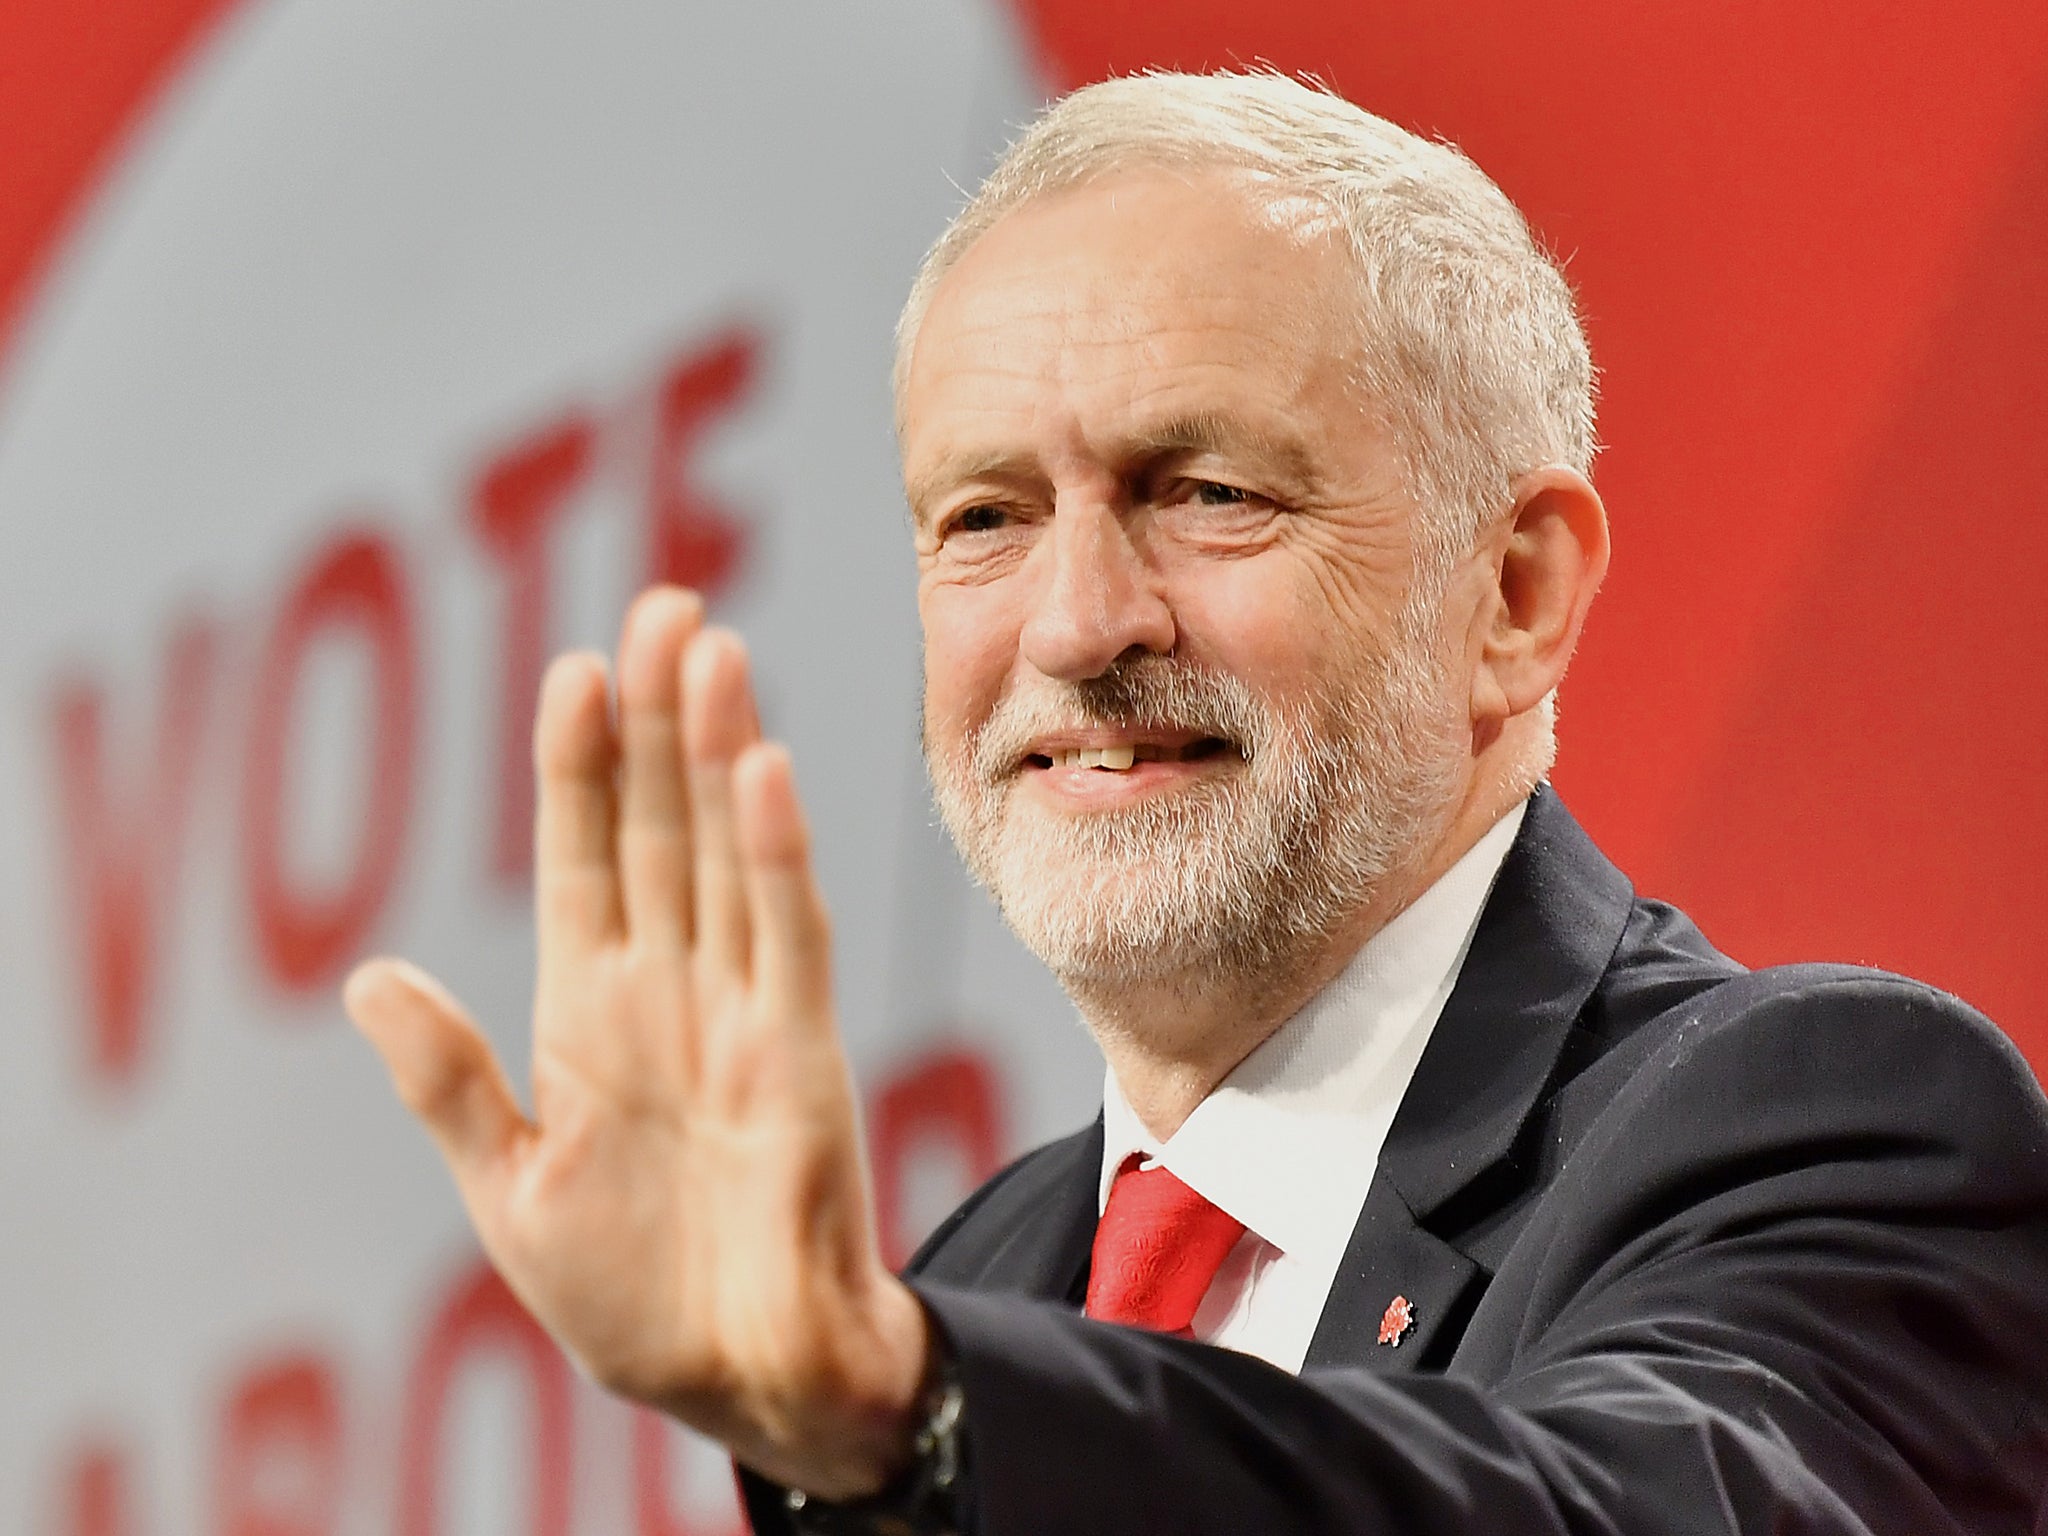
(685, 1211)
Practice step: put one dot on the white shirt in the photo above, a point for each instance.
(1288, 1142)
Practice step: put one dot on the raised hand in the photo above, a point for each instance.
(686, 1212)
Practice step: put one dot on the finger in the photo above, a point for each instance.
(654, 834)
(442, 1066)
(576, 880)
(792, 936)
(719, 723)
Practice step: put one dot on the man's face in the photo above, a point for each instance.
(1180, 711)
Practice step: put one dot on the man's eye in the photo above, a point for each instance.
(1211, 493)
(980, 520)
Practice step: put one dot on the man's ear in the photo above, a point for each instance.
(1546, 560)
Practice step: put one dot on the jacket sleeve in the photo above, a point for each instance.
(1793, 1279)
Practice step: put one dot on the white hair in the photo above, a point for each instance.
(1473, 360)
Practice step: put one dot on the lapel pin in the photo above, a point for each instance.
(1396, 1321)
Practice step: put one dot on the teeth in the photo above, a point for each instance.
(1115, 759)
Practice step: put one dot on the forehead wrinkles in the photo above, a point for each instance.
(1101, 369)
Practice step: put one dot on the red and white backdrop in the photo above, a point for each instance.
(355, 354)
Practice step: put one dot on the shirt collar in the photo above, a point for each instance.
(1288, 1141)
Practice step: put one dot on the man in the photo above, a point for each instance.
(1442, 1185)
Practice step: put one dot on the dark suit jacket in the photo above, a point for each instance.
(1689, 1249)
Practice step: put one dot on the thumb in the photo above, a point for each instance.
(442, 1066)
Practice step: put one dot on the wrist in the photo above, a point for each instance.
(925, 1497)
(888, 1421)
(853, 1433)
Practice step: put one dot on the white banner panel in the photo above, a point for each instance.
(408, 339)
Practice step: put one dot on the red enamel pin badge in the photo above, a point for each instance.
(1396, 1321)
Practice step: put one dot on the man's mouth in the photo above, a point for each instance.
(1121, 757)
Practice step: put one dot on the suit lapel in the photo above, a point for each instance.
(1550, 926)
(1030, 1234)
(1396, 1292)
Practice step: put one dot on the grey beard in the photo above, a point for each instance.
(1233, 878)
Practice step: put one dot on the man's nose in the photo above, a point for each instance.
(1098, 598)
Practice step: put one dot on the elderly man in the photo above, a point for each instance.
(1441, 1185)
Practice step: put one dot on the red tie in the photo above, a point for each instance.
(1157, 1248)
